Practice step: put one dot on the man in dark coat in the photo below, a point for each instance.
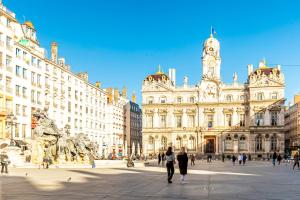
(182, 159)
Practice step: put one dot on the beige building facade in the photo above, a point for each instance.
(212, 117)
(292, 123)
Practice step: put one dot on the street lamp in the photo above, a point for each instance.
(11, 120)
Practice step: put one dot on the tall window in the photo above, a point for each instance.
(260, 96)
(192, 99)
(32, 77)
(23, 130)
(210, 120)
(274, 117)
(17, 130)
(273, 143)
(274, 95)
(18, 70)
(178, 142)
(228, 142)
(18, 90)
(242, 143)
(39, 80)
(32, 96)
(259, 118)
(24, 91)
(191, 121)
(38, 98)
(150, 100)
(229, 98)
(258, 143)
(163, 100)
(242, 119)
(164, 143)
(178, 121)
(179, 99)
(17, 109)
(192, 143)
(24, 73)
(228, 119)
(163, 122)
(149, 121)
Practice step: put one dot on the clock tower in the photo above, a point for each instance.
(211, 60)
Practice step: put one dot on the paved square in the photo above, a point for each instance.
(256, 180)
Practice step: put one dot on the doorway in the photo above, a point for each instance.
(210, 144)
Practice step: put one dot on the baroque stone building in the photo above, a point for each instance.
(211, 116)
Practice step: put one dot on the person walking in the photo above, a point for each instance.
(296, 160)
(92, 160)
(240, 158)
(193, 160)
(163, 158)
(279, 158)
(244, 159)
(274, 157)
(233, 160)
(4, 162)
(223, 157)
(170, 163)
(159, 159)
(182, 159)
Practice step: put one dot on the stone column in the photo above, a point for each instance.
(235, 145)
(217, 145)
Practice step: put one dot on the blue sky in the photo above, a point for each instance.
(120, 42)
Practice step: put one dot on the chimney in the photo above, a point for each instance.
(116, 94)
(98, 84)
(172, 75)
(109, 95)
(250, 69)
(124, 92)
(133, 98)
(54, 52)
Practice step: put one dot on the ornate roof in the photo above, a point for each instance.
(158, 76)
(29, 23)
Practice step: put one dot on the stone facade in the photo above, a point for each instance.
(211, 116)
(292, 123)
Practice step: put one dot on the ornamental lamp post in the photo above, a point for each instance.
(11, 120)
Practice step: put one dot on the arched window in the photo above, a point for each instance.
(273, 143)
(274, 95)
(192, 143)
(178, 143)
(228, 143)
(150, 100)
(179, 99)
(260, 96)
(163, 99)
(242, 97)
(258, 143)
(229, 98)
(192, 99)
(151, 143)
(242, 143)
(164, 143)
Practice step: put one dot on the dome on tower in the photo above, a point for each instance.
(29, 24)
(212, 41)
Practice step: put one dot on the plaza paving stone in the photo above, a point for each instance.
(256, 180)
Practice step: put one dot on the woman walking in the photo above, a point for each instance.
(296, 160)
(233, 160)
(170, 158)
(182, 159)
